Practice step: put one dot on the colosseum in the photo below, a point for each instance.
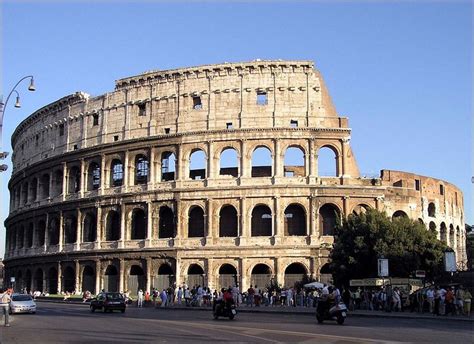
(206, 175)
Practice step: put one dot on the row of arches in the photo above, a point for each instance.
(261, 224)
(111, 172)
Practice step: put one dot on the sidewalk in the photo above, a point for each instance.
(294, 310)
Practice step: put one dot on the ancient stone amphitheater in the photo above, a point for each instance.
(206, 175)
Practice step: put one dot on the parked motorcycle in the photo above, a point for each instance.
(325, 311)
(225, 309)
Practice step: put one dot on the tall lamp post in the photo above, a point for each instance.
(3, 107)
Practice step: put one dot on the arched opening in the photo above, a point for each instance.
(431, 210)
(325, 274)
(89, 228)
(88, 279)
(327, 162)
(29, 235)
(432, 227)
(294, 273)
(261, 276)
(197, 165)
(53, 281)
(168, 166)
(112, 226)
(196, 226)
(295, 220)
(44, 186)
(360, 209)
(28, 280)
(38, 280)
(24, 195)
(166, 225)
(261, 221)
(458, 241)
(294, 162)
(93, 176)
(33, 190)
(21, 237)
(70, 229)
(139, 224)
(141, 169)
(451, 237)
(69, 279)
(262, 162)
(136, 279)
(58, 183)
(41, 231)
(19, 283)
(195, 276)
(165, 277)
(111, 279)
(229, 163)
(399, 213)
(74, 180)
(228, 222)
(420, 221)
(116, 173)
(53, 231)
(227, 276)
(328, 215)
(443, 233)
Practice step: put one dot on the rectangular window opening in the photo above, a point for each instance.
(229, 126)
(262, 98)
(441, 189)
(294, 124)
(167, 130)
(95, 120)
(197, 104)
(116, 137)
(289, 174)
(61, 130)
(417, 184)
(75, 147)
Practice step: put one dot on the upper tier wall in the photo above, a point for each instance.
(180, 101)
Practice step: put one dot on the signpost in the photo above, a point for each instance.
(382, 265)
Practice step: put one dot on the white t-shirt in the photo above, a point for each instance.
(430, 294)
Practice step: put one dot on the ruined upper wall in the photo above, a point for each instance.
(228, 96)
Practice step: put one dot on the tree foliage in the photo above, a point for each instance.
(361, 239)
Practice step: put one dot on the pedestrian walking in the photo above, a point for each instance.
(5, 300)
(164, 298)
(140, 299)
(180, 295)
(467, 302)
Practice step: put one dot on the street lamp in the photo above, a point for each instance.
(3, 106)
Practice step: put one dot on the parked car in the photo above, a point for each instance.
(22, 303)
(108, 302)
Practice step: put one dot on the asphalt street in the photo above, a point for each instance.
(73, 323)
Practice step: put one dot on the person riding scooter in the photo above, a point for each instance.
(223, 305)
(330, 307)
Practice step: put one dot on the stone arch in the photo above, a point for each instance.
(197, 164)
(196, 225)
(53, 231)
(166, 223)
(262, 220)
(328, 216)
(111, 279)
(53, 281)
(360, 208)
(451, 236)
(88, 279)
(93, 176)
(136, 279)
(325, 274)
(28, 281)
(195, 275)
(168, 166)
(24, 193)
(116, 172)
(431, 210)
(74, 179)
(70, 229)
(33, 194)
(443, 233)
(399, 213)
(295, 220)
(432, 227)
(69, 279)
(262, 162)
(38, 280)
(141, 169)
(328, 161)
(57, 183)
(138, 224)
(44, 186)
(261, 275)
(112, 226)
(294, 162)
(89, 227)
(294, 273)
(29, 235)
(227, 276)
(229, 162)
(165, 277)
(228, 221)
(21, 237)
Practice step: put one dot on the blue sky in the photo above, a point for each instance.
(401, 71)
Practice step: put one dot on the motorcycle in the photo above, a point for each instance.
(224, 309)
(337, 311)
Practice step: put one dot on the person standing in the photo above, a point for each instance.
(5, 305)
(164, 298)
(467, 302)
(180, 295)
(140, 298)
(430, 298)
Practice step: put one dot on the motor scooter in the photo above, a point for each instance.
(224, 309)
(337, 311)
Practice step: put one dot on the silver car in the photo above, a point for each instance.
(22, 303)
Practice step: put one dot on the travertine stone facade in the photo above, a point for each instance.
(107, 191)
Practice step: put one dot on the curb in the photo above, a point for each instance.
(305, 313)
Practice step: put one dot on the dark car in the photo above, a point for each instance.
(108, 302)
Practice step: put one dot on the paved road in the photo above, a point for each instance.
(73, 323)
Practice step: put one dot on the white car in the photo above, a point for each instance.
(22, 303)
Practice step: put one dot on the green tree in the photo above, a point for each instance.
(361, 239)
